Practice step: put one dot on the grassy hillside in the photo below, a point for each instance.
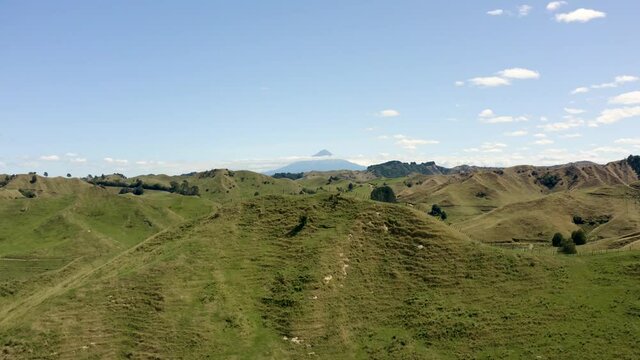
(318, 276)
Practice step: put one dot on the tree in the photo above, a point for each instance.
(351, 186)
(578, 237)
(138, 190)
(46, 174)
(384, 194)
(557, 240)
(33, 180)
(68, 175)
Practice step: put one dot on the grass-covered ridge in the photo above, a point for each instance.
(357, 280)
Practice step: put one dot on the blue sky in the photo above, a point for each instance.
(174, 86)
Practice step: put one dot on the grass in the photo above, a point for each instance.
(87, 273)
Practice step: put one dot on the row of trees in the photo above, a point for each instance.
(138, 186)
(568, 245)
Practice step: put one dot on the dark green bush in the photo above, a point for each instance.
(578, 237)
(549, 180)
(634, 162)
(384, 194)
(292, 176)
(437, 211)
(557, 240)
(568, 247)
(27, 193)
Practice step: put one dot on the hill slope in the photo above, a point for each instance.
(327, 277)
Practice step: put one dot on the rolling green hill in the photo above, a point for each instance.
(256, 267)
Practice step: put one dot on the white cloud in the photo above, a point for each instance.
(516, 133)
(496, 12)
(580, 15)
(573, 111)
(78, 160)
(489, 81)
(540, 135)
(580, 90)
(486, 113)
(116, 161)
(617, 81)
(411, 144)
(388, 113)
(459, 83)
(610, 116)
(544, 119)
(70, 154)
(555, 5)
(487, 147)
(505, 119)
(524, 10)
(563, 125)
(519, 73)
(625, 79)
(629, 98)
(610, 149)
(504, 77)
(487, 116)
(50, 157)
(543, 142)
(571, 136)
(628, 141)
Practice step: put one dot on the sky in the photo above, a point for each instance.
(137, 87)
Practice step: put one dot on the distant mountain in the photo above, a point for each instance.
(317, 165)
(323, 152)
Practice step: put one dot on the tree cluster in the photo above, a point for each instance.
(288, 175)
(436, 211)
(549, 180)
(634, 162)
(568, 245)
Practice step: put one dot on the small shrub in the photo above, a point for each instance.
(578, 237)
(33, 180)
(27, 193)
(578, 220)
(138, 190)
(568, 247)
(557, 240)
(301, 224)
